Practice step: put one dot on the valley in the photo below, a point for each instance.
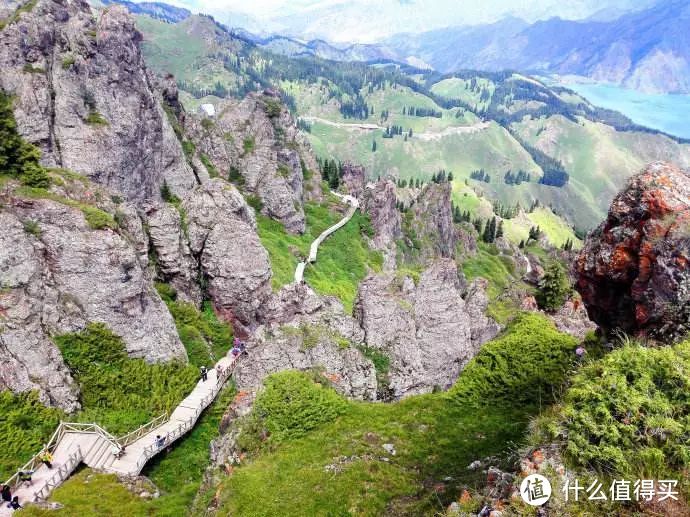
(500, 289)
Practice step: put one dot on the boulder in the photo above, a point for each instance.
(633, 272)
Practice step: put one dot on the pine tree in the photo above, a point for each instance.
(554, 288)
(373, 146)
(450, 177)
(18, 158)
(499, 229)
(522, 244)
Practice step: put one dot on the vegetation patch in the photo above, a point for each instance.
(322, 470)
(68, 61)
(205, 338)
(212, 171)
(248, 144)
(96, 119)
(117, 392)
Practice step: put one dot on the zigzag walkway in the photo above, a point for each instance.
(314, 248)
(75, 443)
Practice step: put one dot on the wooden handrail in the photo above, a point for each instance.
(133, 436)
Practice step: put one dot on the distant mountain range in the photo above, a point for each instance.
(647, 50)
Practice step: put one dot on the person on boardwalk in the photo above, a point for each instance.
(160, 441)
(235, 351)
(6, 493)
(204, 373)
(47, 458)
(14, 504)
(219, 371)
(25, 476)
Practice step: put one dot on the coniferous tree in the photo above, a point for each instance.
(373, 146)
(554, 288)
(499, 229)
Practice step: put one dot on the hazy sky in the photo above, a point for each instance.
(370, 20)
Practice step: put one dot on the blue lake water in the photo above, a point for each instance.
(667, 113)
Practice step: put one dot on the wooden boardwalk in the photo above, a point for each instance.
(75, 443)
(314, 248)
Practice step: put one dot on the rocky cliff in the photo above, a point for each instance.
(65, 262)
(379, 202)
(426, 328)
(633, 271)
(428, 223)
(83, 95)
(255, 143)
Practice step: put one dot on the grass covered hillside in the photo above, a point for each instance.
(577, 155)
(325, 455)
(344, 259)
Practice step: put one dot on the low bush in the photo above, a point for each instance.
(629, 412)
(291, 404)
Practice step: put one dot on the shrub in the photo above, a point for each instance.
(234, 176)
(554, 288)
(629, 413)
(67, 62)
(291, 404)
(272, 107)
(207, 124)
(526, 365)
(248, 144)
(283, 171)
(30, 69)
(205, 337)
(18, 158)
(32, 228)
(97, 218)
(189, 148)
(118, 392)
(255, 202)
(96, 119)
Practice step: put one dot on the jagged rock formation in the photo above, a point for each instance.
(379, 202)
(176, 264)
(222, 236)
(84, 97)
(256, 144)
(58, 275)
(428, 330)
(430, 226)
(309, 331)
(353, 179)
(633, 271)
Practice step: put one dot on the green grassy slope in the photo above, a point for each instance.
(336, 467)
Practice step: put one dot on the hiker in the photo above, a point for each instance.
(219, 371)
(580, 353)
(6, 493)
(235, 351)
(117, 451)
(15, 503)
(160, 441)
(25, 476)
(243, 346)
(204, 373)
(47, 458)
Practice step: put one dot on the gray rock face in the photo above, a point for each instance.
(176, 265)
(309, 331)
(84, 97)
(433, 221)
(353, 179)
(427, 330)
(256, 143)
(379, 202)
(223, 238)
(59, 276)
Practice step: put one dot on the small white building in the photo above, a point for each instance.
(207, 110)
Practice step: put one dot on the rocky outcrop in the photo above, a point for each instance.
(174, 260)
(379, 203)
(353, 179)
(222, 236)
(256, 144)
(82, 94)
(58, 275)
(427, 330)
(431, 228)
(633, 272)
(307, 331)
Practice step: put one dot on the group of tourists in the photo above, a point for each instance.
(238, 347)
(6, 494)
